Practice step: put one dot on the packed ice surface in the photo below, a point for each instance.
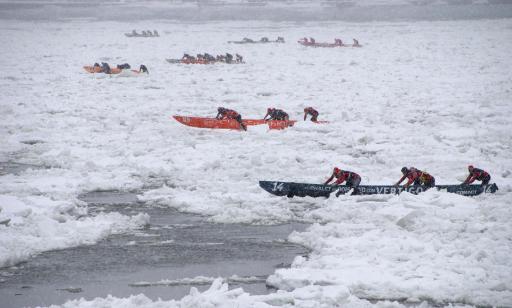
(435, 95)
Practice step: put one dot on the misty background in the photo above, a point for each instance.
(275, 10)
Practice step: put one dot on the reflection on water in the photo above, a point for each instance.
(175, 252)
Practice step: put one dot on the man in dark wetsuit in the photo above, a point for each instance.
(124, 66)
(143, 69)
(311, 111)
(477, 174)
(229, 58)
(276, 114)
(208, 57)
(417, 177)
(239, 58)
(105, 68)
(352, 179)
(224, 113)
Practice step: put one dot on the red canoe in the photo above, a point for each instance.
(229, 123)
(214, 123)
(275, 124)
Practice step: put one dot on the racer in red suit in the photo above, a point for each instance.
(224, 113)
(352, 179)
(312, 112)
(477, 174)
(417, 177)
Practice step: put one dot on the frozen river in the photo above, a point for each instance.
(431, 91)
(163, 260)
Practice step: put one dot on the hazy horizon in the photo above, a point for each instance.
(275, 10)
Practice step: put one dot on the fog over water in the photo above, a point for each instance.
(275, 10)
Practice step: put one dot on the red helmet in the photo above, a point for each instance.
(337, 170)
(470, 168)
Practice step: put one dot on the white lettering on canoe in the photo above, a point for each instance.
(278, 186)
(319, 187)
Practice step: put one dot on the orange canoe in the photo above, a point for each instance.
(233, 124)
(229, 123)
(277, 124)
(113, 70)
(212, 122)
(97, 69)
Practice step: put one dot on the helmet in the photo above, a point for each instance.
(336, 170)
(220, 109)
(404, 170)
(270, 110)
(470, 167)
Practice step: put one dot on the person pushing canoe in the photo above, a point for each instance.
(224, 113)
(312, 112)
(143, 69)
(276, 114)
(478, 175)
(417, 177)
(351, 178)
(105, 68)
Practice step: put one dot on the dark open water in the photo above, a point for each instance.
(173, 247)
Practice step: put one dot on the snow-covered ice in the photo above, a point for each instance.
(435, 95)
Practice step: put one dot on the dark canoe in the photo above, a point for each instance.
(254, 42)
(297, 189)
(290, 189)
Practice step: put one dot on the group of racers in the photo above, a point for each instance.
(263, 40)
(208, 58)
(272, 114)
(105, 67)
(337, 42)
(413, 175)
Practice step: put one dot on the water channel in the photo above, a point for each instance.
(164, 260)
